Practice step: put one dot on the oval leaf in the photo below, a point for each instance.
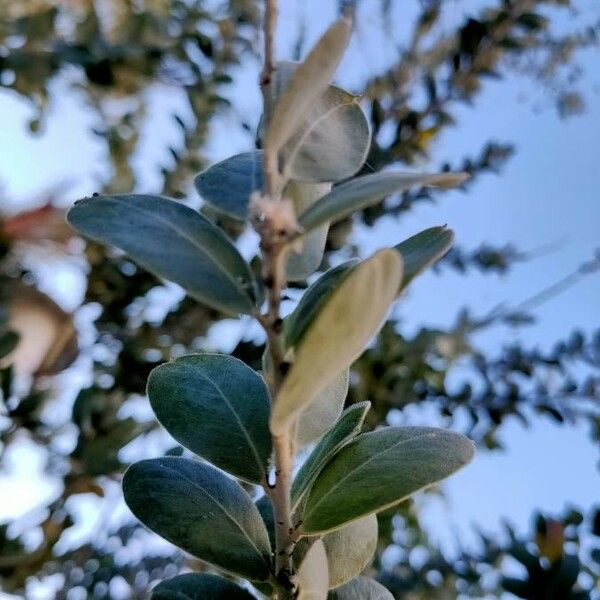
(348, 427)
(228, 185)
(196, 507)
(350, 549)
(217, 407)
(302, 263)
(380, 469)
(172, 241)
(306, 85)
(349, 318)
(322, 413)
(199, 586)
(312, 577)
(297, 323)
(422, 250)
(332, 141)
(361, 192)
(361, 588)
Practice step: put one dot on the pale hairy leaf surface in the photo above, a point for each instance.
(199, 586)
(297, 323)
(307, 83)
(306, 260)
(218, 408)
(379, 469)
(333, 139)
(356, 194)
(201, 510)
(313, 574)
(322, 413)
(339, 333)
(171, 241)
(361, 588)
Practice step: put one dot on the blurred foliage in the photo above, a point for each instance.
(113, 53)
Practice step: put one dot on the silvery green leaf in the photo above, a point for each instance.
(312, 576)
(307, 83)
(228, 185)
(377, 470)
(199, 509)
(347, 428)
(422, 250)
(217, 407)
(172, 241)
(302, 263)
(358, 193)
(199, 586)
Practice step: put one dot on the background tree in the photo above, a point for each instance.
(111, 53)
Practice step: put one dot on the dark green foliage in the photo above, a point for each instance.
(199, 509)
(194, 586)
(217, 407)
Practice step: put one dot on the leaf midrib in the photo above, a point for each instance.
(359, 468)
(223, 509)
(193, 241)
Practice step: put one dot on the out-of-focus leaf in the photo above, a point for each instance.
(313, 574)
(339, 333)
(302, 263)
(307, 83)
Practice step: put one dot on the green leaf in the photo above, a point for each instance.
(422, 250)
(308, 82)
(217, 407)
(339, 333)
(350, 549)
(297, 323)
(196, 507)
(265, 508)
(361, 588)
(199, 586)
(361, 192)
(172, 241)
(312, 576)
(8, 342)
(302, 263)
(333, 140)
(322, 413)
(228, 185)
(380, 469)
(346, 429)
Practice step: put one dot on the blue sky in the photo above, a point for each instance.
(549, 193)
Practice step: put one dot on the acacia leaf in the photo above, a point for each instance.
(171, 241)
(361, 588)
(422, 250)
(228, 185)
(339, 333)
(378, 470)
(199, 586)
(358, 193)
(199, 509)
(346, 429)
(218, 408)
(307, 83)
